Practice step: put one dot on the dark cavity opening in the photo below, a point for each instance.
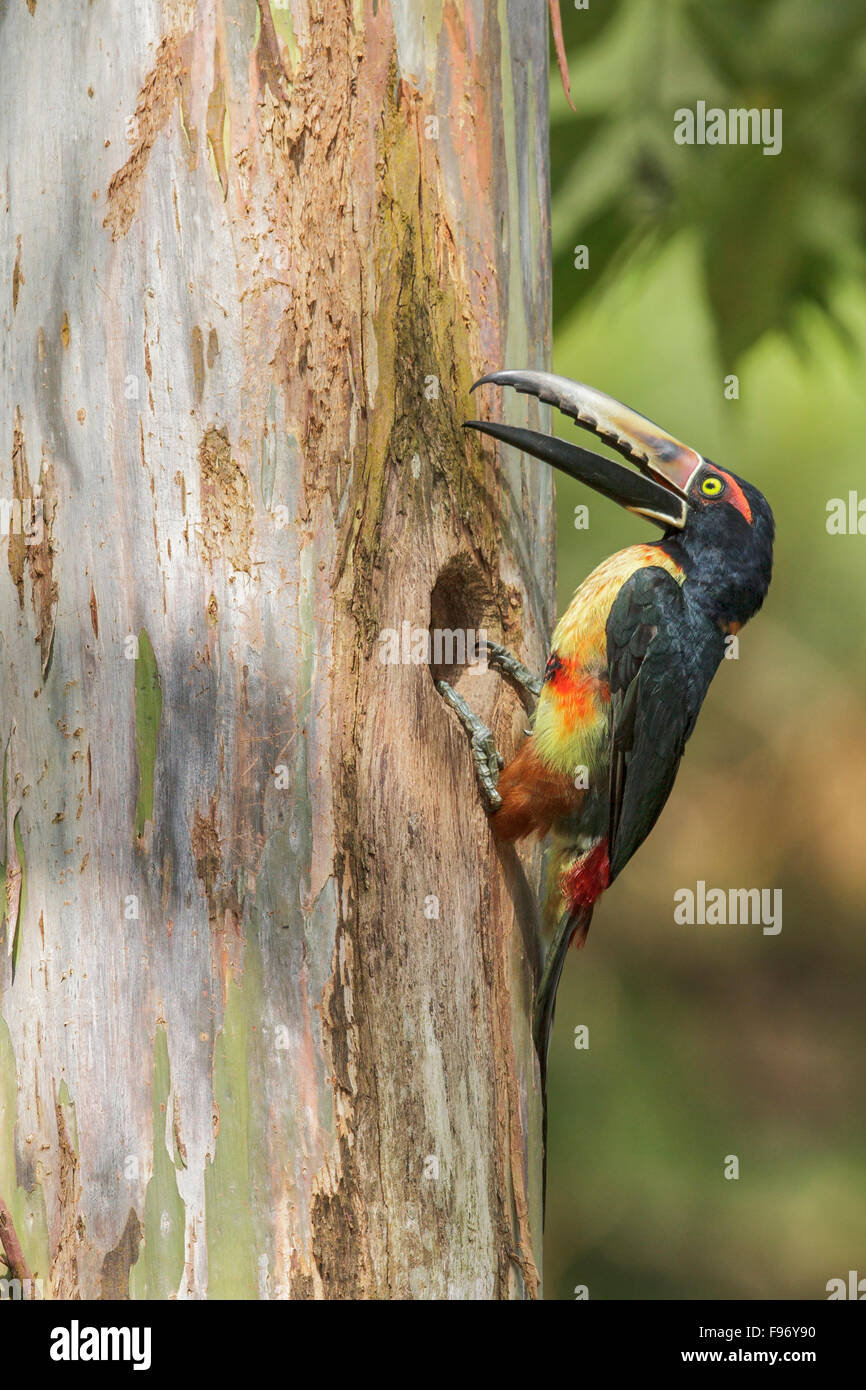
(462, 613)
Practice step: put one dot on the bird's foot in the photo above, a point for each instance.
(505, 661)
(485, 754)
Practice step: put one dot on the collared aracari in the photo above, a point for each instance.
(631, 658)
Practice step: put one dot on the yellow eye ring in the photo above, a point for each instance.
(711, 487)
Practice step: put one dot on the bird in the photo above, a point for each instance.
(631, 658)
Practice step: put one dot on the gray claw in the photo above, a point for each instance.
(488, 765)
(505, 661)
(485, 755)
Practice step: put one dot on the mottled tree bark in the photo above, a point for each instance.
(266, 977)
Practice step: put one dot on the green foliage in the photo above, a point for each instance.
(708, 1042)
(776, 233)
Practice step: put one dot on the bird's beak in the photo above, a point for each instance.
(657, 492)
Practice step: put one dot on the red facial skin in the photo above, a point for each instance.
(734, 495)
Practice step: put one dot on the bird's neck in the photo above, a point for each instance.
(710, 588)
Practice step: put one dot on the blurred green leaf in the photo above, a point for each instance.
(778, 233)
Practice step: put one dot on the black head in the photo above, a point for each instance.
(719, 527)
(726, 544)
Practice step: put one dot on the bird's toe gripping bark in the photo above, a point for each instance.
(505, 661)
(485, 755)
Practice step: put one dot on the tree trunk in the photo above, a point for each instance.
(266, 977)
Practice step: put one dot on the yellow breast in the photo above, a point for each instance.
(571, 721)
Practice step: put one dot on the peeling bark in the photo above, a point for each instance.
(265, 977)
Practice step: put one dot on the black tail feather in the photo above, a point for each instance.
(545, 1006)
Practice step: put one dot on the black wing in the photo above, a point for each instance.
(661, 659)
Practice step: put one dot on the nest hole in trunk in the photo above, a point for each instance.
(462, 614)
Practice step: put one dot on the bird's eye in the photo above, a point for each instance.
(711, 487)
